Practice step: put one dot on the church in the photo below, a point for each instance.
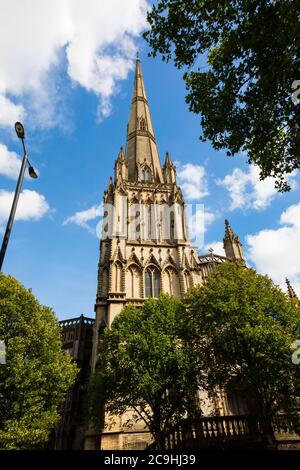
(145, 247)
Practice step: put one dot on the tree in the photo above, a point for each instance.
(251, 51)
(146, 365)
(37, 373)
(244, 328)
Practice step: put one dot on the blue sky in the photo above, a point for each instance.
(71, 87)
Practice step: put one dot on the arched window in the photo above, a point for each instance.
(134, 282)
(117, 277)
(152, 282)
(142, 124)
(104, 283)
(146, 174)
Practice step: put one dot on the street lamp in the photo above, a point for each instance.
(21, 134)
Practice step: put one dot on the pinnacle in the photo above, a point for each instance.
(291, 293)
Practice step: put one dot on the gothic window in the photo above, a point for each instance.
(117, 278)
(146, 174)
(134, 282)
(152, 282)
(104, 286)
(142, 124)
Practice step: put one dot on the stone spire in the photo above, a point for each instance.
(169, 170)
(141, 150)
(109, 193)
(232, 245)
(121, 172)
(291, 293)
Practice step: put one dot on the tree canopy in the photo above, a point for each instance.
(243, 74)
(244, 330)
(36, 373)
(146, 365)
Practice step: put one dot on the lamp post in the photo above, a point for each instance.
(21, 134)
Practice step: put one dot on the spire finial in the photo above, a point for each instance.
(232, 244)
(228, 230)
(137, 55)
(121, 155)
(167, 160)
(291, 293)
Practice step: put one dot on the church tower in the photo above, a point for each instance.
(144, 249)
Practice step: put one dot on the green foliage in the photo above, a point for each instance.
(146, 364)
(244, 328)
(37, 373)
(244, 92)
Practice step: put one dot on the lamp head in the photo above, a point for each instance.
(32, 172)
(20, 130)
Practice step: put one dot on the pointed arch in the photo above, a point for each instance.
(133, 259)
(145, 173)
(104, 283)
(117, 275)
(142, 124)
(134, 281)
(171, 283)
(118, 255)
(169, 261)
(188, 282)
(152, 260)
(152, 281)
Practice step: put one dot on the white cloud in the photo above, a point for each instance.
(217, 247)
(198, 223)
(276, 251)
(10, 162)
(82, 218)
(247, 191)
(31, 206)
(96, 40)
(10, 112)
(192, 180)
